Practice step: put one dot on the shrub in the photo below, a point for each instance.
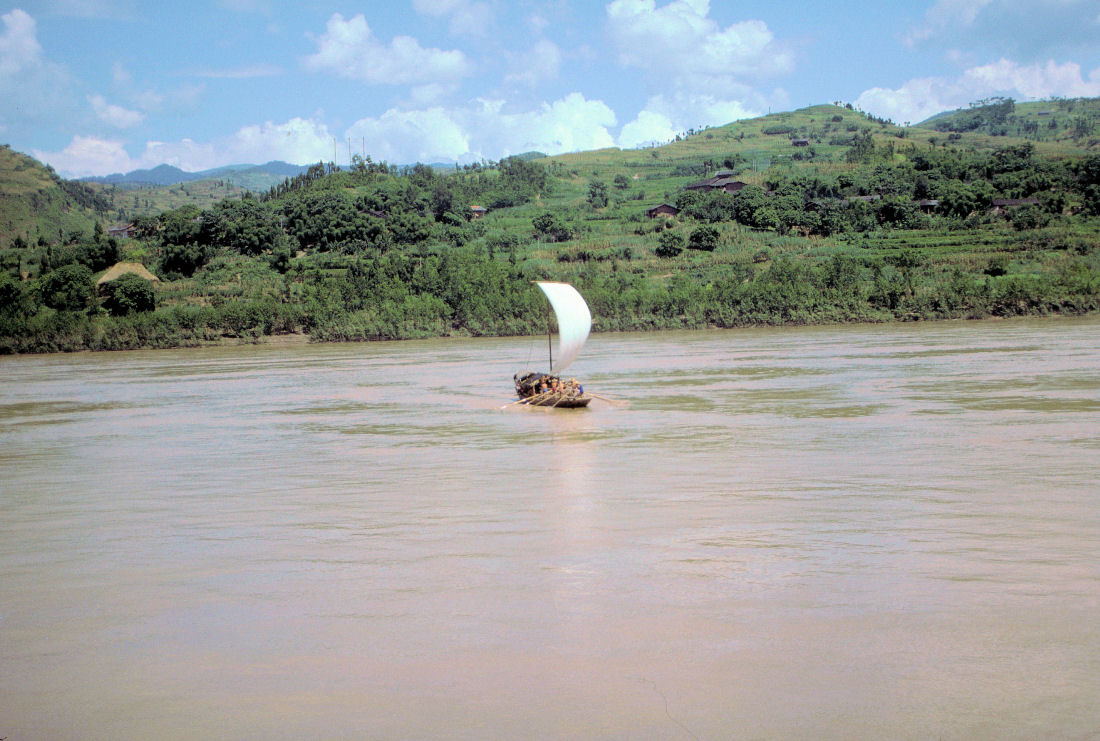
(671, 244)
(129, 294)
(703, 238)
(69, 288)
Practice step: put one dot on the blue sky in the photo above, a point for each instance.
(100, 86)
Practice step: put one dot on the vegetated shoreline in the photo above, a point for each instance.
(334, 336)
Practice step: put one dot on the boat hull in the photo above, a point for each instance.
(559, 402)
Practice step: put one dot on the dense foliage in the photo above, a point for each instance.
(890, 230)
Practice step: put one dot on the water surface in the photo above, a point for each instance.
(886, 532)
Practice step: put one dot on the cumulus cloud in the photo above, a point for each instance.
(114, 115)
(919, 99)
(466, 17)
(19, 47)
(350, 49)
(298, 140)
(680, 41)
(88, 156)
(711, 71)
(33, 91)
(485, 130)
(664, 116)
(540, 62)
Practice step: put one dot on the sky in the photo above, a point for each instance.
(94, 87)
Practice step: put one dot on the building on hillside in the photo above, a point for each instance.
(476, 212)
(717, 182)
(1001, 206)
(665, 210)
(121, 231)
(928, 205)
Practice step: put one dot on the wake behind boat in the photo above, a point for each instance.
(574, 323)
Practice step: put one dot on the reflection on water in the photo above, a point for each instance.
(827, 532)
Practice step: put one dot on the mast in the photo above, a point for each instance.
(549, 339)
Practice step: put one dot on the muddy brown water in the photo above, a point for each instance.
(832, 533)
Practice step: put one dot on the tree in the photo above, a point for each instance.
(128, 294)
(863, 147)
(622, 182)
(184, 259)
(670, 244)
(597, 194)
(69, 288)
(247, 226)
(551, 227)
(14, 300)
(703, 238)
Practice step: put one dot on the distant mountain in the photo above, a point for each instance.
(248, 176)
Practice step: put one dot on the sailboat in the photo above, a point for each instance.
(574, 324)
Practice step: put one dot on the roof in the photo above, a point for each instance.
(478, 208)
(122, 268)
(1015, 201)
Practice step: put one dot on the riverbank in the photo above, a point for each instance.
(169, 329)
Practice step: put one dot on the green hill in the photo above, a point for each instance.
(823, 214)
(1072, 122)
(35, 204)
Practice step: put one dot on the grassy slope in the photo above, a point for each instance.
(32, 204)
(130, 200)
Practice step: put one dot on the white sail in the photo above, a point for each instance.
(574, 321)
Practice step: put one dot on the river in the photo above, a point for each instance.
(830, 533)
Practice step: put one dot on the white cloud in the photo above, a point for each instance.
(1034, 80)
(679, 41)
(921, 98)
(298, 141)
(648, 128)
(540, 62)
(114, 115)
(88, 155)
(467, 18)
(33, 91)
(19, 47)
(484, 130)
(350, 49)
(664, 116)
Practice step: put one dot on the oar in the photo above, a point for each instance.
(613, 401)
(528, 400)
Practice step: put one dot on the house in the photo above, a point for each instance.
(665, 210)
(928, 205)
(121, 231)
(1001, 206)
(718, 182)
(476, 212)
(120, 269)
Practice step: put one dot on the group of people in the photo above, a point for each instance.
(557, 386)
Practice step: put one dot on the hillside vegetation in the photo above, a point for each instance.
(812, 216)
(38, 207)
